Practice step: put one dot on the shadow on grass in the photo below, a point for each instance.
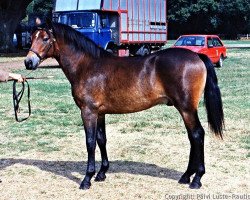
(66, 168)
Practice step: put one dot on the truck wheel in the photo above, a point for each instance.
(110, 51)
(145, 51)
(220, 62)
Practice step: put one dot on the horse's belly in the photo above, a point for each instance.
(130, 105)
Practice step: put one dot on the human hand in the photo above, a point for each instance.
(17, 77)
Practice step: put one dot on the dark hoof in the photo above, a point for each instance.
(184, 180)
(100, 177)
(85, 186)
(195, 185)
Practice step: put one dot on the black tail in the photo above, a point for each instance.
(212, 99)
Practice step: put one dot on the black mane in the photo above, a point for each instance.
(77, 41)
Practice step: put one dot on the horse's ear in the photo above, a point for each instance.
(38, 21)
(49, 23)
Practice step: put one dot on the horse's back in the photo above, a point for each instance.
(177, 59)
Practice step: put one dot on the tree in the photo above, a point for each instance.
(11, 13)
(41, 9)
(192, 16)
(234, 17)
(228, 17)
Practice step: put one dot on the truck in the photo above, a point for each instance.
(122, 27)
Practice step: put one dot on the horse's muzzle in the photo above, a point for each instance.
(31, 63)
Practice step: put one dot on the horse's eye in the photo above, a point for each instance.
(45, 39)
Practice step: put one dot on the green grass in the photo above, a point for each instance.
(226, 42)
(55, 115)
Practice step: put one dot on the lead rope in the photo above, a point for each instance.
(17, 97)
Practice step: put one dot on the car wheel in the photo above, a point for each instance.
(220, 62)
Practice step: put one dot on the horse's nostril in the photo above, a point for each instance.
(28, 64)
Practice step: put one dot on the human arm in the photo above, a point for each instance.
(5, 76)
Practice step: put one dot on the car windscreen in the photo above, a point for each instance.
(190, 41)
(78, 20)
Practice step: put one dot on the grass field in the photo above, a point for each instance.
(45, 156)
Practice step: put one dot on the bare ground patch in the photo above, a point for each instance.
(142, 167)
(17, 63)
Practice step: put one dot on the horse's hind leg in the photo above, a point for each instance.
(196, 159)
(101, 141)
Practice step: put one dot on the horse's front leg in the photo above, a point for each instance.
(90, 126)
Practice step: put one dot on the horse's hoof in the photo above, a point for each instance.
(184, 180)
(85, 186)
(100, 177)
(195, 185)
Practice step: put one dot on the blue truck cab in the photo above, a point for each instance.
(124, 27)
(102, 27)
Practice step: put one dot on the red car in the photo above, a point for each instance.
(210, 45)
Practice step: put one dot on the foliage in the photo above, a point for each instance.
(227, 17)
(237, 17)
(11, 13)
(40, 8)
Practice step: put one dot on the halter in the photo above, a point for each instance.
(47, 48)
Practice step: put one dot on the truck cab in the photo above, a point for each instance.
(124, 27)
(102, 27)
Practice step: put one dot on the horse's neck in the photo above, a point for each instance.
(71, 62)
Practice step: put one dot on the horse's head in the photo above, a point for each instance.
(43, 45)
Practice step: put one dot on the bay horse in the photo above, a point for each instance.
(105, 84)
